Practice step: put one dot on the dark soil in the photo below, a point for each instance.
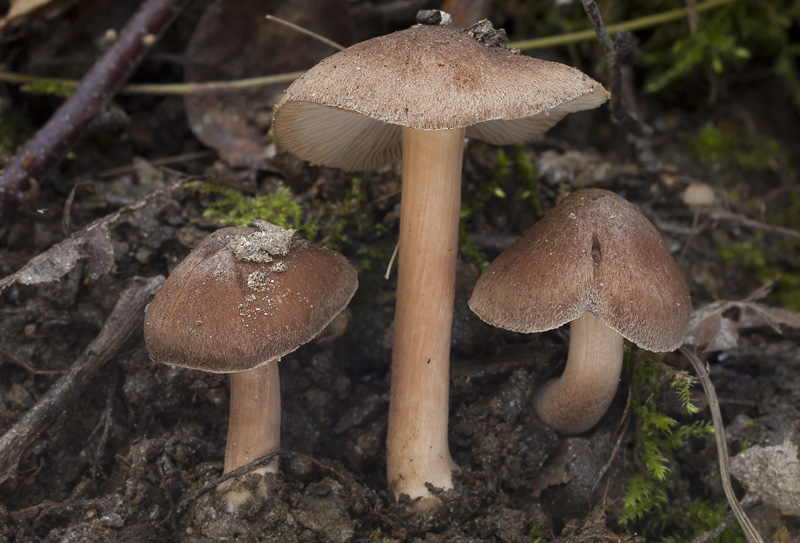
(136, 457)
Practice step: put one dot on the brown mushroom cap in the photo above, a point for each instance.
(592, 252)
(222, 314)
(425, 78)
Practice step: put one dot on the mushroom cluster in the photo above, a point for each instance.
(418, 93)
(596, 262)
(241, 300)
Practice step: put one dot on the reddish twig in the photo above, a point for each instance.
(19, 180)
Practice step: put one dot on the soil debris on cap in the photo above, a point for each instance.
(270, 241)
(484, 32)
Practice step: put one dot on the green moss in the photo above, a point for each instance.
(232, 207)
(48, 87)
(652, 504)
(466, 245)
(727, 40)
(326, 223)
(730, 145)
(709, 52)
(751, 257)
(513, 178)
(701, 516)
(529, 176)
(16, 129)
(535, 534)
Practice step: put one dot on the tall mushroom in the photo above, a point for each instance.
(598, 263)
(419, 92)
(240, 301)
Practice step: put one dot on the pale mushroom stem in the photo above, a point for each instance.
(254, 429)
(577, 400)
(417, 447)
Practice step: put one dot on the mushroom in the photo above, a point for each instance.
(596, 262)
(696, 195)
(241, 300)
(419, 92)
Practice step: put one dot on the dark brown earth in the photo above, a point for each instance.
(136, 457)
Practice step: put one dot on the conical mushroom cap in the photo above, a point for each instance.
(347, 111)
(592, 252)
(221, 314)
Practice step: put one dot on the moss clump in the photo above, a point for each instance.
(728, 145)
(752, 257)
(535, 534)
(710, 52)
(513, 181)
(232, 207)
(16, 129)
(326, 223)
(653, 503)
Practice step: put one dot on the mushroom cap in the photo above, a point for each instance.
(348, 110)
(221, 314)
(592, 252)
(698, 194)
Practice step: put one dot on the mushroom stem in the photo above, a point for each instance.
(254, 429)
(417, 448)
(577, 400)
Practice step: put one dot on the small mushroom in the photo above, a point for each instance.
(419, 92)
(596, 262)
(241, 300)
(696, 196)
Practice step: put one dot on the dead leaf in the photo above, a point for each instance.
(91, 243)
(233, 40)
(712, 331)
(774, 316)
(716, 332)
(21, 8)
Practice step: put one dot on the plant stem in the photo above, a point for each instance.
(632, 24)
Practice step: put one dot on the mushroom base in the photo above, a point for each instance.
(577, 400)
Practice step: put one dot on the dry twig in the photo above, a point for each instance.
(619, 55)
(750, 531)
(125, 319)
(21, 176)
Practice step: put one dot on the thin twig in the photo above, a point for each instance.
(626, 420)
(26, 366)
(619, 55)
(105, 421)
(721, 215)
(305, 31)
(648, 21)
(164, 161)
(391, 261)
(125, 319)
(165, 89)
(749, 530)
(20, 179)
(221, 87)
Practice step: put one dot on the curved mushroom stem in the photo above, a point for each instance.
(254, 429)
(577, 400)
(417, 451)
